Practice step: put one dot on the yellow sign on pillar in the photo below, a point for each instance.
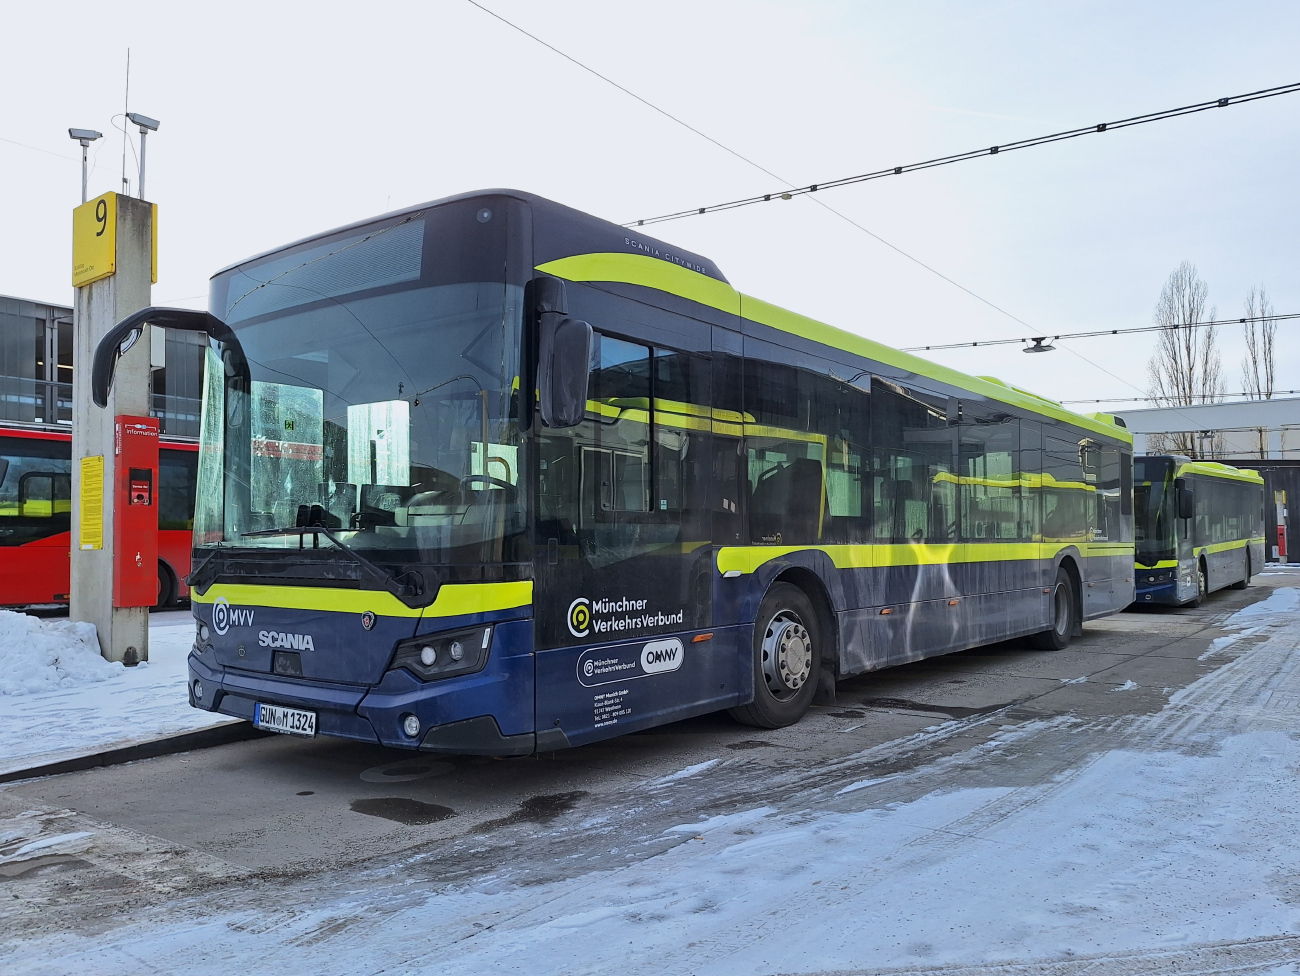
(92, 502)
(94, 240)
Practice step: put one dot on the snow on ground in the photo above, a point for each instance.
(60, 699)
(44, 655)
(1172, 844)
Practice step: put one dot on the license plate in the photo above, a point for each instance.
(290, 721)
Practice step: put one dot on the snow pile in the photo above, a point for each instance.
(46, 655)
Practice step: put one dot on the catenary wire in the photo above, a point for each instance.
(1249, 319)
(961, 157)
(745, 159)
(1250, 396)
(793, 189)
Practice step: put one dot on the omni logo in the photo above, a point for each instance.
(579, 619)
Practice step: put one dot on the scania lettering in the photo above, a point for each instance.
(528, 482)
(299, 642)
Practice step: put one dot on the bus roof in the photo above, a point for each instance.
(649, 272)
(576, 246)
(1216, 469)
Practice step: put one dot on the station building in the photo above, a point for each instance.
(36, 367)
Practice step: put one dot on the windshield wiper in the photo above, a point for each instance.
(199, 576)
(389, 581)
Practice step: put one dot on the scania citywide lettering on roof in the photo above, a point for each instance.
(298, 642)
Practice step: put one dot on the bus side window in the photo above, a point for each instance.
(35, 490)
(805, 442)
(177, 480)
(989, 482)
(914, 487)
(1110, 488)
(1066, 495)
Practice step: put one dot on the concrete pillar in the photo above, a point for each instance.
(123, 631)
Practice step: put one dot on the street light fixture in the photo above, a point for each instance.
(146, 125)
(1041, 344)
(85, 137)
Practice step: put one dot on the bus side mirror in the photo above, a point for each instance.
(563, 370)
(123, 336)
(1186, 499)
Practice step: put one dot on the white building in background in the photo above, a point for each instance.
(1223, 430)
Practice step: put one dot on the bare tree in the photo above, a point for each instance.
(1257, 371)
(1185, 368)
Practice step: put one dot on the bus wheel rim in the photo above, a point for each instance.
(787, 655)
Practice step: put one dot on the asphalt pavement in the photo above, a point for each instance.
(271, 820)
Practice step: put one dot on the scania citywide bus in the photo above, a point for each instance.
(1199, 527)
(36, 513)
(494, 476)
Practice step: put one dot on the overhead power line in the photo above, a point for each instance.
(1104, 332)
(821, 203)
(1251, 395)
(787, 194)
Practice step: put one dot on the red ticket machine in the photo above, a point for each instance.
(135, 521)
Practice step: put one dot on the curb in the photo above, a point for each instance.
(184, 742)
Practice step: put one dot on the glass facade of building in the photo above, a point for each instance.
(36, 370)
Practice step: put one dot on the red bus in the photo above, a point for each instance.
(36, 515)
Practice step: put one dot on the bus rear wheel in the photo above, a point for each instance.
(1058, 635)
(166, 588)
(787, 659)
(1241, 584)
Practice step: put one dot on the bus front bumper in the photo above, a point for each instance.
(487, 713)
(1156, 586)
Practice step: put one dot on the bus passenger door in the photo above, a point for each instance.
(623, 557)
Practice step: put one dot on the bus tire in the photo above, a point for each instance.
(1241, 584)
(1202, 584)
(166, 587)
(786, 659)
(1058, 635)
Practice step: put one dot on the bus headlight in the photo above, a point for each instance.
(433, 656)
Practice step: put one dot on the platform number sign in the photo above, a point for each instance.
(94, 240)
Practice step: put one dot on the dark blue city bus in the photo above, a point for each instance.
(1199, 527)
(493, 476)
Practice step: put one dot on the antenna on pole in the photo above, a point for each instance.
(126, 107)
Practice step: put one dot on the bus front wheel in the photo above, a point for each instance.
(1202, 585)
(1058, 635)
(786, 659)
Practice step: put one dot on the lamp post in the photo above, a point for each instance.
(146, 125)
(85, 137)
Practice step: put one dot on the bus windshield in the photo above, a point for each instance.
(1154, 509)
(375, 397)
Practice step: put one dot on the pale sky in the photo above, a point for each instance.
(284, 120)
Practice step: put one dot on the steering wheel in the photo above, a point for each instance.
(497, 482)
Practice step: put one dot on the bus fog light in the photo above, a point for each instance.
(457, 651)
(429, 657)
(198, 690)
(411, 725)
(203, 633)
